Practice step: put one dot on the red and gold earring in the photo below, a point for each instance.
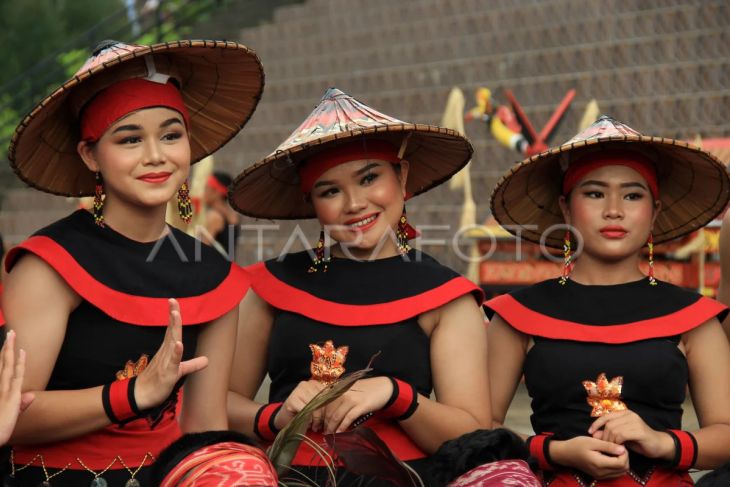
(98, 207)
(184, 204)
(321, 257)
(401, 234)
(650, 244)
(567, 258)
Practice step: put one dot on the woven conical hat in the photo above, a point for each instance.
(270, 188)
(221, 84)
(693, 185)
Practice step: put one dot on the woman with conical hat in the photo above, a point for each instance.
(607, 352)
(362, 295)
(116, 309)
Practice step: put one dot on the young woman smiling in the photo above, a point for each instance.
(116, 309)
(313, 315)
(607, 352)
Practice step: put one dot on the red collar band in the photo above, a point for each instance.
(125, 97)
(320, 163)
(587, 164)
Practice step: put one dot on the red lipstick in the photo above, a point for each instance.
(155, 177)
(613, 231)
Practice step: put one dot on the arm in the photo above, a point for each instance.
(12, 402)
(708, 357)
(249, 361)
(461, 382)
(59, 415)
(204, 407)
(459, 368)
(723, 293)
(507, 350)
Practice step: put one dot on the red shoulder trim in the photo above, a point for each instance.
(289, 298)
(533, 323)
(128, 308)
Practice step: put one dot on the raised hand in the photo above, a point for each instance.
(599, 459)
(299, 397)
(12, 401)
(365, 396)
(157, 381)
(627, 428)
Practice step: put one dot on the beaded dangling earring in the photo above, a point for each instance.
(650, 244)
(184, 205)
(321, 260)
(401, 234)
(98, 200)
(568, 258)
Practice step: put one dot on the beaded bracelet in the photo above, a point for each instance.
(263, 423)
(403, 401)
(118, 400)
(685, 449)
(539, 448)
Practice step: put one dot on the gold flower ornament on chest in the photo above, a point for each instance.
(328, 361)
(604, 396)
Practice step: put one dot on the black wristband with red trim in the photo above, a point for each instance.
(263, 424)
(403, 401)
(119, 403)
(685, 449)
(539, 448)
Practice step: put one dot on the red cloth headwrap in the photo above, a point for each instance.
(217, 186)
(123, 98)
(587, 164)
(320, 163)
(228, 464)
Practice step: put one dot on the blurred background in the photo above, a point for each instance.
(515, 75)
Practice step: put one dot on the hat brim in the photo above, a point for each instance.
(270, 188)
(693, 188)
(221, 84)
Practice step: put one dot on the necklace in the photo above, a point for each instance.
(132, 482)
(11, 481)
(98, 480)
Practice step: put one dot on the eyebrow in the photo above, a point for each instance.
(359, 172)
(632, 184)
(132, 127)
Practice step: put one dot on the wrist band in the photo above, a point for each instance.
(403, 401)
(685, 449)
(263, 423)
(118, 400)
(539, 448)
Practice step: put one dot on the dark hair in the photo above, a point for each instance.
(716, 478)
(187, 444)
(456, 457)
(223, 177)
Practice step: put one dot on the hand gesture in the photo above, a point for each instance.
(12, 401)
(599, 459)
(365, 396)
(157, 381)
(299, 397)
(627, 428)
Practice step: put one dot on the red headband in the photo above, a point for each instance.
(223, 464)
(217, 186)
(587, 164)
(320, 163)
(123, 98)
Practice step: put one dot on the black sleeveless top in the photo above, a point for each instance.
(125, 286)
(371, 307)
(627, 333)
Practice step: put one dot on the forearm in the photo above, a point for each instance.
(241, 413)
(60, 415)
(433, 423)
(712, 441)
